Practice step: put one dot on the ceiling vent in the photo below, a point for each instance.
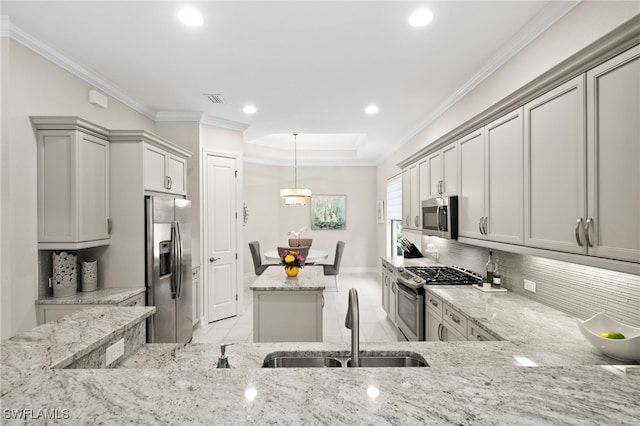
(215, 98)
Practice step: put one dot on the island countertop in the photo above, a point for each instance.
(274, 278)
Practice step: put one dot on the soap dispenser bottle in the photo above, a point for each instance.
(223, 362)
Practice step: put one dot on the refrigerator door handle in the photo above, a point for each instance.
(180, 261)
(174, 261)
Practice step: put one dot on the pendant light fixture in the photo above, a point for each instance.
(295, 196)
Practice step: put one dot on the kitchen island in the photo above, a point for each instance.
(467, 383)
(288, 309)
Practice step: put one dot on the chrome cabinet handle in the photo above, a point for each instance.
(480, 226)
(578, 227)
(394, 288)
(480, 338)
(433, 302)
(407, 221)
(417, 221)
(454, 318)
(587, 232)
(440, 186)
(484, 225)
(109, 225)
(323, 301)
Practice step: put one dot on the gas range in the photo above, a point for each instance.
(418, 276)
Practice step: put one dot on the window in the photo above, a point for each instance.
(394, 215)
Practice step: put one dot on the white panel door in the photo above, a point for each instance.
(613, 138)
(472, 181)
(220, 235)
(504, 185)
(555, 177)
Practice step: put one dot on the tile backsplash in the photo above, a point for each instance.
(577, 290)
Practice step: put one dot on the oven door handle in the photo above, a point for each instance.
(407, 295)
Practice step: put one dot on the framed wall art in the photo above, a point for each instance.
(329, 212)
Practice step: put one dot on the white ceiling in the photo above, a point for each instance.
(308, 67)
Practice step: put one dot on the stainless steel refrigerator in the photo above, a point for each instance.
(168, 269)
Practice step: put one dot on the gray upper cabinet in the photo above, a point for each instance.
(442, 178)
(411, 217)
(555, 176)
(612, 223)
(490, 181)
(73, 183)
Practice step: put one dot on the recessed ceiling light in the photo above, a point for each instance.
(190, 17)
(371, 109)
(249, 109)
(420, 18)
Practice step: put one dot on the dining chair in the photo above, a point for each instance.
(258, 266)
(300, 242)
(334, 269)
(304, 251)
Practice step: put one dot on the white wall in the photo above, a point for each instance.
(31, 85)
(583, 25)
(270, 220)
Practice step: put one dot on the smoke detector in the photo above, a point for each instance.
(215, 98)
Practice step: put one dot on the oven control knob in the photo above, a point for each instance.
(417, 279)
(400, 269)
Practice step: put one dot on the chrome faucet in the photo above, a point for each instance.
(223, 361)
(353, 322)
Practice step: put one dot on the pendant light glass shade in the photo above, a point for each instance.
(295, 196)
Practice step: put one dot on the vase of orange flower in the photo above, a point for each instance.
(292, 261)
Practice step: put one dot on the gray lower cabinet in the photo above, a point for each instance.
(447, 324)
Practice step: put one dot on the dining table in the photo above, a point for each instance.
(313, 256)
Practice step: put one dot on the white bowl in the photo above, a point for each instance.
(627, 349)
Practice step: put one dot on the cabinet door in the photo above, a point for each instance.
(613, 138)
(155, 168)
(177, 172)
(415, 197)
(555, 177)
(406, 198)
(385, 290)
(451, 335)
(434, 162)
(504, 176)
(393, 301)
(93, 188)
(423, 181)
(472, 185)
(432, 327)
(450, 170)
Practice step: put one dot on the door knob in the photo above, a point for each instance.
(213, 259)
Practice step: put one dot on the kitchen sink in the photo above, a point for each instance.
(412, 360)
(296, 359)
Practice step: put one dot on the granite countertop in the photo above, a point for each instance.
(113, 295)
(309, 278)
(467, 383)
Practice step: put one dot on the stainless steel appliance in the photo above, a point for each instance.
(168, 269)
(411, 281)
(440, 217)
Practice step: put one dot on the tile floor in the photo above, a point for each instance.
(374, 325)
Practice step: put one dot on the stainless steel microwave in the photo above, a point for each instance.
(440, 217)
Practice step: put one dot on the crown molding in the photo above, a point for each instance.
(551, 13)
(224, 123)
(202, 118)
(73, 67)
